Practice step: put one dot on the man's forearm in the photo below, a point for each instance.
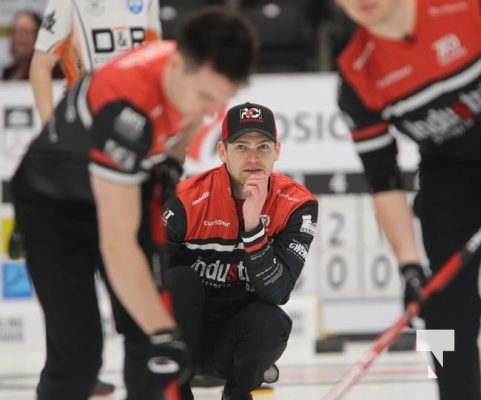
(132, 282)
(267, 273)
(118, 213)
(396, 220)
(41, 80)
(43, 94)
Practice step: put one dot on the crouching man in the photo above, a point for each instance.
(239, 236)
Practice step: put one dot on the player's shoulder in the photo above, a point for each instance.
(448, 9)
(131, 75)
(286, 188)
(148, 53)
(356, 53)
(198, 187)
(450, 6)
(355, 61)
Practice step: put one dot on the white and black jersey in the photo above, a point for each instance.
(89, 33)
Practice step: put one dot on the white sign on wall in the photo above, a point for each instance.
(19, 122)
(313, 136)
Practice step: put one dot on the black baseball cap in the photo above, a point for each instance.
(248, 117)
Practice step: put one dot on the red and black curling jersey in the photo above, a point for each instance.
(114, 122)
(205, 233)
(427, 86)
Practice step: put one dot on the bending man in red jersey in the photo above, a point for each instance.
(82, 36)
(414, 66)
(83, 198)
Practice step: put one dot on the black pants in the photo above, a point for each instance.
(449, 208)
(61, 241)
(238, 349)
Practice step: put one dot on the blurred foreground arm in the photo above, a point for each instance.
(396, 220)
(119, 212)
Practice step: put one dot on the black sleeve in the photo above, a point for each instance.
(373, 141)
(175, 220)
(121, 140)
(274, 267)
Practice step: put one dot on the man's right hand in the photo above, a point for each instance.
(414, 280)
(256, 189)
(169, 359)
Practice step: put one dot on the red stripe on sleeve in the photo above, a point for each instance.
(97, 156)
(369, 132)
(256, 246)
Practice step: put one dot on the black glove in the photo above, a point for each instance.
(414, 280)
(169, 359)
(16, 246)
(167, 174)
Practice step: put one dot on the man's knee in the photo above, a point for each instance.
(268, 321)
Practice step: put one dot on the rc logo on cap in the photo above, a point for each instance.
(247, 118)
(250, 113)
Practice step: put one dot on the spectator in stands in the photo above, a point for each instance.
(23, 34)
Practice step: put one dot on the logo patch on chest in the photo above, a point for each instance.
(448, 49)
(135, 6)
